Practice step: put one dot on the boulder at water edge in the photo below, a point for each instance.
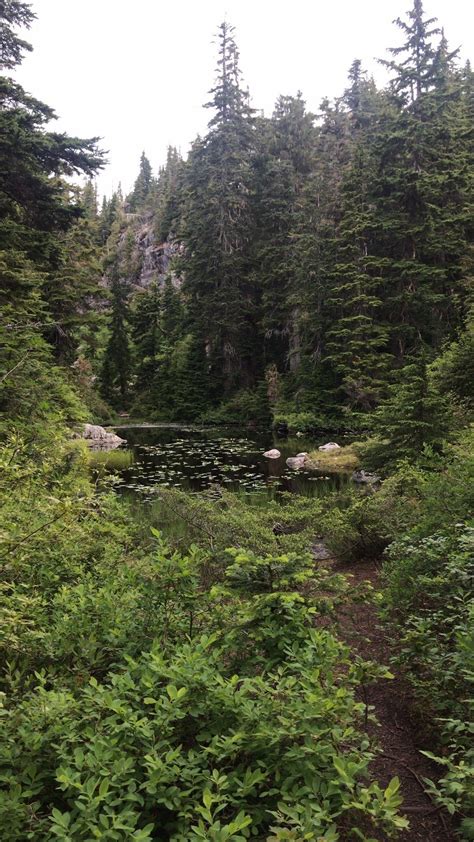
(272, 454)
(99, 439)
(331, 445)
(296, 462)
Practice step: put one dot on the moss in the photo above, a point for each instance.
(343, 459)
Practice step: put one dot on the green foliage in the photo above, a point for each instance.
(142, 186)
(117, 364)
(217, 522)
(453, 370)
(149, 689)
(37, 212)
(186, 689)
(411, 419)
(429, 588)
(246, 406)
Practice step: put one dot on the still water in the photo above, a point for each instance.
(197, 459)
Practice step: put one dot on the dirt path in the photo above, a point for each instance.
(400, 729)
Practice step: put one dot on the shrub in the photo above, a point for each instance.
(430, 591)
(151, 692)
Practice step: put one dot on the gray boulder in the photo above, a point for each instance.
(331, 445)
(272, 454)
(296, 462)
(99, 439)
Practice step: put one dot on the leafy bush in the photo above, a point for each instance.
(361, 523)
(155, 693)
(431, 592)
(217, 522)
(301, 422)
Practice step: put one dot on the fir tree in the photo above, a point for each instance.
(117, 365)
(36, 211)
(412, 417)
(142, 187)
(217, 231)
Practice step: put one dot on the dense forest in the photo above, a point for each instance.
(299, 273)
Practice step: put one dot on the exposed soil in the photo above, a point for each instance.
(400, 731)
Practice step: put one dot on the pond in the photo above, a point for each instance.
(198, 459)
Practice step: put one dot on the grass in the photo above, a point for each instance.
(104, 461)
(344, 459)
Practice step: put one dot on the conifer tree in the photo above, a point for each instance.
(142, 187)
(169, 195)
(217, 231)
(36, 211)
(117, 364)
(283, 162)
(413, 415)
(422, 191)
(147, 334)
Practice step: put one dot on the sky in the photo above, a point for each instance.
(137, 72)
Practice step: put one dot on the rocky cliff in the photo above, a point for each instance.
(142, 259)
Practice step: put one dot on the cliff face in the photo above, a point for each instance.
(142, 259)
(153, 257)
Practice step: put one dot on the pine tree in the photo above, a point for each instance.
(169, 195)
(146, 319)
(89, 200)
(356, 337)
(74, 291)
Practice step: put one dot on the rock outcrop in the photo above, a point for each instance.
(142, 257)
(99, 439)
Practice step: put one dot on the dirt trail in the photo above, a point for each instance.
(400, 729)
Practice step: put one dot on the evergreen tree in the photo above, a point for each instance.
(356, 339)
(414, 415)
(147, 336)
(36, 211)
(117, 365)
(284, 160)
(142, 187)
(89, 200)
(217, 232)
(169, 195)
(422, 191)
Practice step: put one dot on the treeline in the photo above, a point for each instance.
(319, 258)
(313, 261)
(50, 260)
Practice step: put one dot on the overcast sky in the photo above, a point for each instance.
(136, 72)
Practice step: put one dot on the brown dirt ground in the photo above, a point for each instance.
(400, 731)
